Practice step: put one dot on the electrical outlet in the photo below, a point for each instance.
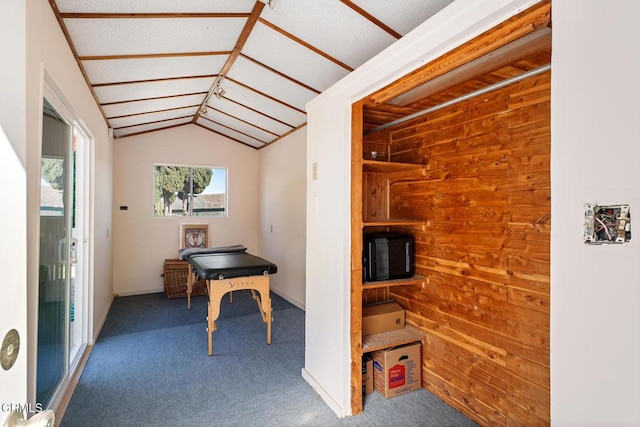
(607, 224)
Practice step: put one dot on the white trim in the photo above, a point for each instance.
(103, 319)
(288, 298)
(144, 291)
(54, 96)
(328, 399)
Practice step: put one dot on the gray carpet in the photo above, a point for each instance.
(150, 367)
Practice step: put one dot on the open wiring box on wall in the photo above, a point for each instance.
(607, 224)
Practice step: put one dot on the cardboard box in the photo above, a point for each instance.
(367, 375)
(382, 317)
(397, 370)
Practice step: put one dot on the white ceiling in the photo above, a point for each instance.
(153, 64)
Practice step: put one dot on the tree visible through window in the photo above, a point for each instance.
(189, 191)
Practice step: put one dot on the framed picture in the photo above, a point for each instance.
(194, 235)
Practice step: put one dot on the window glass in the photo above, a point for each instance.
(189, 191)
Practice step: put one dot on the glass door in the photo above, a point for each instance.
(56, 211)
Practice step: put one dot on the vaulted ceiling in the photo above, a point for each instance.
(240, 68)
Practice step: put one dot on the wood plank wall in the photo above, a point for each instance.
(485, 249)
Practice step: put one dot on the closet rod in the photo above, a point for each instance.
(503, 83)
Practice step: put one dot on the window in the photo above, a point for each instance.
(189, 191)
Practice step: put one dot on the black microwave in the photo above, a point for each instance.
(387, 256)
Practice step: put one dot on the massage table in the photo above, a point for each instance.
(227, 269)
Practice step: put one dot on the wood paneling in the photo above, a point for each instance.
(482, 201)
(485, 202)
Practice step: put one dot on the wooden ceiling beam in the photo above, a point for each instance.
(244, 121)
(151, 15)
(305, 44)
(284, 135)
(67, 36)
(166, 79)
(268, 96)
(152, 55)
(151, 123)
(259, 112)
(284, 76)
(372, 18)
(151, 99)
(242, 39)
(235, 130)
(227, 136)
(164, 110)
(150, 130)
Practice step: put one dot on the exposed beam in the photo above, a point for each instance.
(268, 96)
(243, 121)
(164, 110)
(234, 130)
(152, 123)
(150, 99)
(152, 55)
(67, 36)
(372, 18)
(226, 136)
(285, 135)
(305, 44)
(284, 76)
(150, 15)
(259, 112)
(166, 79)
(242, 39)
(151, 130)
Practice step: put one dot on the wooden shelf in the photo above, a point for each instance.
(413, 280)
(390, 222)
(378, 166)
(406, 335)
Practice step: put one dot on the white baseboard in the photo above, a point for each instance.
(103, 318)
(289, 298)
(335, 407)
(139, 292)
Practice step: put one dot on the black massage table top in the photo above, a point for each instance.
(225, 265)
(186, 253)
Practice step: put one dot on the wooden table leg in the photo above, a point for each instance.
(216, 289)
(210, 327)
(190, 280)
(269, 322)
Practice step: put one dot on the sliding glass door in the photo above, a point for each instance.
(62, 302)
(54, 269)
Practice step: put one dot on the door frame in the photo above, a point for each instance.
(55, 97)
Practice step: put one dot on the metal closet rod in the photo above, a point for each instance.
(503, 83)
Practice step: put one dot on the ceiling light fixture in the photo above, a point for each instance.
(270, 3)
(219, 92)
(216, 90)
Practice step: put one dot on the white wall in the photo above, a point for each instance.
(595, 290)
(327, 350)
(47, 51)
(12, 79)
(282, 193)
(13, 227)
(142, 242)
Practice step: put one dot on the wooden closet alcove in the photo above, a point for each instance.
(471, 183)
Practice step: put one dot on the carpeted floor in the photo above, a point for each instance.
(150, 367)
